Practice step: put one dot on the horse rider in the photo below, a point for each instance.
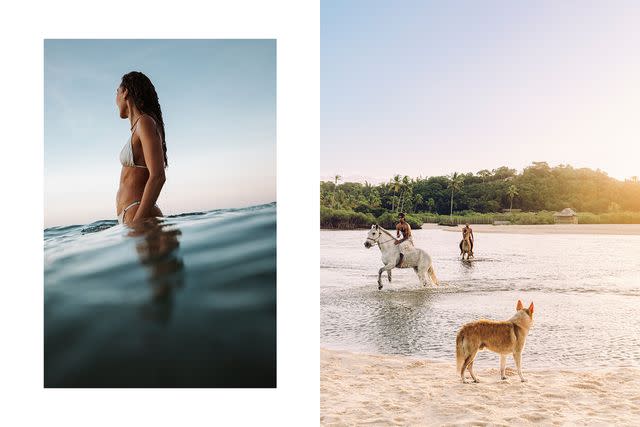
(466, 230)
(403, 228)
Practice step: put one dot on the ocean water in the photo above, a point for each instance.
(586, 291)
(184, 301)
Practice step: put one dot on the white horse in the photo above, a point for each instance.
(414, 258)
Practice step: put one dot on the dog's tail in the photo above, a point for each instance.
(460, 356)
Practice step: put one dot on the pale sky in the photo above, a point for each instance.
(218, 99)
(425, 88)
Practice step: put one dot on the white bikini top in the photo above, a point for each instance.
(126, 155)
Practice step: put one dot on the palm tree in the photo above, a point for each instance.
(405, 187)
(374, 199)
(394, 202)
(431, 204)
(484, 174)
(512, 192)
(418, 199)
(336, 179)
(455, 184)
(396, 185)
(406, 199)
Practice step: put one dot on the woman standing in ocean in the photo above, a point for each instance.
(144, 155)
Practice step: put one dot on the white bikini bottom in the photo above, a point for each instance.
(124, 211)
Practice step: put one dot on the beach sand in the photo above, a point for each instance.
(617, 229)
(359, 389)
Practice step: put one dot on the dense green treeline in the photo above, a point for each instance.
(539, 187)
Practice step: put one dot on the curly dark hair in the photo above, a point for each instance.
(144, 96)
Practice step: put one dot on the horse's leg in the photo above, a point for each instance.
(420, 275)
(389, 275)
(423, 276)
(387, 268)
(399, 263)
(421, 267)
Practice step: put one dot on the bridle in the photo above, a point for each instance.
(377, 240)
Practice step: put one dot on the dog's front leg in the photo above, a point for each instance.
(503, 366)
(517, 357)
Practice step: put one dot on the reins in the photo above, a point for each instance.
(377, 241)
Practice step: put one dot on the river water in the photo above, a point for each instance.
(586, 290)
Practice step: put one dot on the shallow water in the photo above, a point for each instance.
(187, 301)
(586, 290)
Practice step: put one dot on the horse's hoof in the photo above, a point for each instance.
(379, 287)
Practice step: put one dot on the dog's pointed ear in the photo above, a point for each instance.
(376, 226)
(531, 308)
(519, 306)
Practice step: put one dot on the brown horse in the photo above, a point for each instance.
(465, 245)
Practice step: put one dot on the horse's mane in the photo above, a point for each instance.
(386, 232)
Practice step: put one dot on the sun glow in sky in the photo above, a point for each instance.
(218, 99)
(428, 88)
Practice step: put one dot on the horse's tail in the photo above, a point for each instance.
(432, 274)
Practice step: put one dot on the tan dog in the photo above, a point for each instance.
(503, 337)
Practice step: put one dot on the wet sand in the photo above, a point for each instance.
(368, 389)
(615, 229)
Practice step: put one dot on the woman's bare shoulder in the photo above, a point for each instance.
(147, 126)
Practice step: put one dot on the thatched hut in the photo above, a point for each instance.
(566, 216)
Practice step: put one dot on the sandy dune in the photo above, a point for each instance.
(360, 389)
(546, 228)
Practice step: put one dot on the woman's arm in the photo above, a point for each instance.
(154, 159)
